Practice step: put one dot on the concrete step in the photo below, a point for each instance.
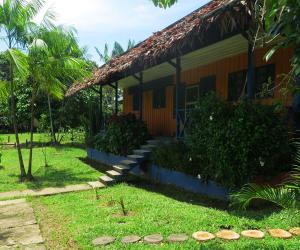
(106, 180)
(121, 169)
(153, 142)
(148, 147)
(136, 158)
(142, 152)
(129, 163)
(114, 174)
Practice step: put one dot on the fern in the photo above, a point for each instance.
(281, 196)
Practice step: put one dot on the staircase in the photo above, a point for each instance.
(119, 172)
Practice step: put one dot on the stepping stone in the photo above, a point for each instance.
(114, 174)
(255, 234)
(129, 163)
(153, 142)
(96, 184)
(153, 239)
(103, 241)
(280, 233)
(148, 147)
(121, 169)
(107, 180)
(227, 235)
(136, 158)
(131, 239)
(295, 231)
(142, 152)
(203, 236)
(178, 238)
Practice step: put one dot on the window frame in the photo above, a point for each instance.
(159, 101)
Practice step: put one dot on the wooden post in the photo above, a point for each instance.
(141, 95)
(296, 109)
(251, 72)
(101, 107)
(178, 82)
(116, 97)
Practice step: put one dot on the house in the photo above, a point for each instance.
(210, 49)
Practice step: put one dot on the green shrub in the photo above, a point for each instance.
(124, 134)
(174, 156)
(233, 144)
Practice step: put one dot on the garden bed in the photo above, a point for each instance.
(165, 176)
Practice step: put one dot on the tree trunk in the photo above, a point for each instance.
(51, 121)
(15, 126)
(29, 171)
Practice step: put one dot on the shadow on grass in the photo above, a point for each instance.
(94, 164)
(55, 145)
(1, 167)
(186, 196)
(51, 177)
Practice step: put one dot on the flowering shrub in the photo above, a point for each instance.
(124, 134)
(175, 156)
(233, 144)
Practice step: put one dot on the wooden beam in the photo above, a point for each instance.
(172, 63)
(95, 90)
(116, 97)
(101, 107)
(178, 82)
(138, 78)
(141, 77)
(251, 72)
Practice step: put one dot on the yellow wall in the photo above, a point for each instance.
(162, 122)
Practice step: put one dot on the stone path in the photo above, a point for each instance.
(51, 190)
(201, 236)
(18, 227)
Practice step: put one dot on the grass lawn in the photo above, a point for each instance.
(152, 209)
(66, 166)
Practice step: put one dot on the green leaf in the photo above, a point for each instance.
(270, 53)
(19, 62)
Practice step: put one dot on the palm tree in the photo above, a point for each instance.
(16, 22)
(117, 50)
(55, 59)
(106, 56)
(164, 3)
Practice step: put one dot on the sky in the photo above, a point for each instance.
(105, 21)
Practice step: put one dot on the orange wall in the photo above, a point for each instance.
(161, 122)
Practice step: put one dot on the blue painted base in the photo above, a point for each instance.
(105, 158)
(166, 176)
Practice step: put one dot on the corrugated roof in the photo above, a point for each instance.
(167, 44)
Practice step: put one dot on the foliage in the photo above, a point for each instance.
(164, 3)
(235, 143)
(282, 19)
(285, 196)
(175, 156)
(124, 134)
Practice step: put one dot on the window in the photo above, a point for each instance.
(194, 92)
(159, 98)
(236, 85)
(207, 84)
(192, 95)
(136, 102)
(264, 81)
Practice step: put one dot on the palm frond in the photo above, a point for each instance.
(4, 92)
(281, 196)
(19, 62)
